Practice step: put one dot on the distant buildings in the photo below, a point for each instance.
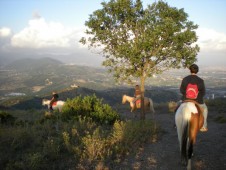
(47, 82)
(15, 94)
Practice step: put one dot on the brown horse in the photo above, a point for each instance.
(148, 103)
(189, 120)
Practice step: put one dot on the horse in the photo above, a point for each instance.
(189, 120)
(148, 103)
(57, 106)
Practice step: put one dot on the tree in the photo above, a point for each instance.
(137, 42)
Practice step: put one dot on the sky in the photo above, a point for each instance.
(53, 28)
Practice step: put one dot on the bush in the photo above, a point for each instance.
(6, 118)
(172, 106)
(89, 106)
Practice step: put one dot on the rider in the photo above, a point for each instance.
(137, 94)
(194, 79)
(55, 97)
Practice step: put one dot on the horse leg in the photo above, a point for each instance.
(193, 130)
(132, 105)
(184, 143)
(151, 106)
(190, 152)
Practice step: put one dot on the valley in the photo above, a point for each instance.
(28, 78)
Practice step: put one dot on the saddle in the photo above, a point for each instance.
(54, 103)
(138, 103)
(200, 110)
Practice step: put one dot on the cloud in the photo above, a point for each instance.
(41, 38)
(212, 47)
(41, 34)
(5, 32)
(211, 40)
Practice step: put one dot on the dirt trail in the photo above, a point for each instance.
(209, 150)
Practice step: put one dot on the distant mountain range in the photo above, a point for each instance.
(28, 64)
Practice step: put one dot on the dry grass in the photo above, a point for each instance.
(172, 106)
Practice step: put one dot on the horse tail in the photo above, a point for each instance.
(187, 143)
(151, 106)
(184, 141)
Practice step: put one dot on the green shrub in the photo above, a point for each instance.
(6, 118)
(172, 106)
(89, 106)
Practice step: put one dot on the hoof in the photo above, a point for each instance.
(184, 162)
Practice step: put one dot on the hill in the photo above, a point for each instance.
(33, 65)
(112, 97)
(41, 76)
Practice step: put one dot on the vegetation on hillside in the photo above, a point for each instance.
(86, 135)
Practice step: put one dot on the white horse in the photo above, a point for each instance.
(57, 106)
(189, 120)
(148, 103)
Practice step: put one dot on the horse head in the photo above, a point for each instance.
(124, 99)
(45, 102)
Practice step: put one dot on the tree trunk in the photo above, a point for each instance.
(142, 88)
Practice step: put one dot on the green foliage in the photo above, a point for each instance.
(139, 42)
(6, 118)
(92, 107)
(172, 106)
